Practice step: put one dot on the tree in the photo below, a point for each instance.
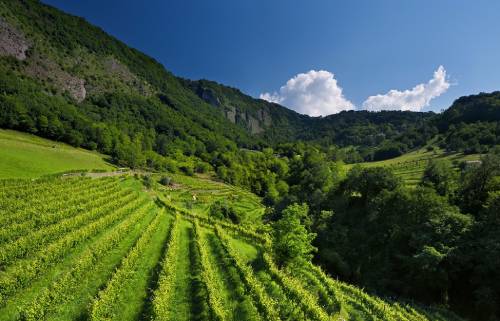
(311, 177)
(477, 183)
(165, 180)
(222, 210)
(291, 239)
(416, 231)
(440, 175)
(147, 181)
(369, 182)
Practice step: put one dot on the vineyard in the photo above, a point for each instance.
(410, 167)
(108, 249)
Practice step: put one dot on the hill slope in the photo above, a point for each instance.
(73, 82)
(27, 156)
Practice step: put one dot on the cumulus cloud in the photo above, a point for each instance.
(413, 99)
(315, 93)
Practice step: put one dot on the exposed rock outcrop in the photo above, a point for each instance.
(264, 117)
(231, 114)
(75, 87)
(51, 72)
(254, 121)
(115, 67)
(254, 125)
(12, 41)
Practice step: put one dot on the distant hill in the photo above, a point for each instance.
(484, 107)
(277, 124)
(471, 124)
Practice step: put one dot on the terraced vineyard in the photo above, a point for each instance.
(106, 249)
(411, 166)
(206, 191)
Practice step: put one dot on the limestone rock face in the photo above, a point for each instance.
(265, 117)
(253, 125)
(254, 121)
(76, 88)
(231, 114)
(12, 42)
(114, 68)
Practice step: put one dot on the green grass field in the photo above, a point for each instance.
(28, 156)
(410, 166)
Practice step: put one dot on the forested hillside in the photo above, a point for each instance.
(65, 79)
(77, 84)
(472, 123)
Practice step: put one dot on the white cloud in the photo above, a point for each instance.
(414, 99)
(313, 93)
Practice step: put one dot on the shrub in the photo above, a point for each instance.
(187, 169)
(165, 180)
(147, 181)
(221, 210)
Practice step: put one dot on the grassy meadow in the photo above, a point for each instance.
(27, 156)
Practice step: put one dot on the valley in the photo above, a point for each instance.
(128, 192)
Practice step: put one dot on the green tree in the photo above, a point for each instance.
(440, 175)
(366, 183)
(292, 241)
(416, 231)
(477, 183)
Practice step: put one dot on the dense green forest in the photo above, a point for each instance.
(437, 243)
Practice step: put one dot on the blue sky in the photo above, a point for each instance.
(370, 47)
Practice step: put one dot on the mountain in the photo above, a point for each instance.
(279, 124)
(65, 79)
(471, 124)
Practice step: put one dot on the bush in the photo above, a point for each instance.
(221, 210)
(387, 152)
(147, 181)
(202, 167)
(187, 169)
(165, 180)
